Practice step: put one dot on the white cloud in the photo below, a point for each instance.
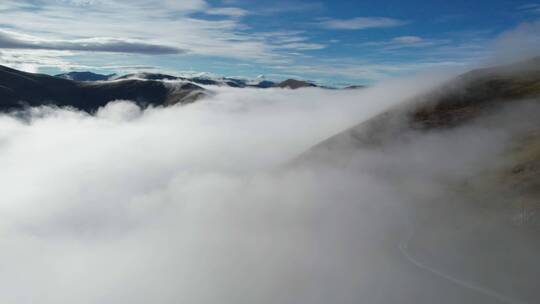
(177, 6)
(166, 24)
(181, 203)
(360, 23)
(362, 72)
(299, 46)
(227, 11)
(67, 29)
(404, 42)
(167, 28)
(532, 8)
(32, 60)
(283, 7)
(11, 40)
(195, 204)
(407, 39)
(524, 35)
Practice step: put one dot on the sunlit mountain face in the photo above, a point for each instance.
(269, 152)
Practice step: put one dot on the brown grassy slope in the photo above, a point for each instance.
(467, 97)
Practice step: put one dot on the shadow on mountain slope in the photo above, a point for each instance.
(20, 89)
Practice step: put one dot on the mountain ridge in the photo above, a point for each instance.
(85, 76)
(453, 103)
(21, 89)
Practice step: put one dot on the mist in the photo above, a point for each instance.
(200, 203)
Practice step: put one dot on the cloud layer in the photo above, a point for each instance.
(172, 27)
(198, 203)
(360, 23)
(13, 41)
(184, 203)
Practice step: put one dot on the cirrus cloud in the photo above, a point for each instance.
(360, 23)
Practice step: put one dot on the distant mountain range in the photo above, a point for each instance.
(202, 80)
(88, 91)
(224, 81)
(218, 81)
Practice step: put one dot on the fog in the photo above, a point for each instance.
(200, 203)
(525, 35)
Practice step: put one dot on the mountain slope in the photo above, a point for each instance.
(456, 102)
(466, 159)
(504, 100)
(19, 89)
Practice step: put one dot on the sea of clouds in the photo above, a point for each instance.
(199, 204)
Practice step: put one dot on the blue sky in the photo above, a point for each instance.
(335, 42)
